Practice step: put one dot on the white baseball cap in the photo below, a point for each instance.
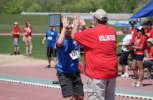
(15, 23)
(150, 40)
(100, 14)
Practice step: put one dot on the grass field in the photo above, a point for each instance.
(38, 22)
(39, 49)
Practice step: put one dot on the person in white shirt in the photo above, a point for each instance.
(124, 56)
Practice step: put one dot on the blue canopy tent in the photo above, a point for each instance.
(146, 11)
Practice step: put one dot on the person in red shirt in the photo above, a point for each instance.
(133, 31)
(144, 25)
(16, 34)
(100, 55)
(149, 30)
(148, 61)
(137, 62)
(27, 38)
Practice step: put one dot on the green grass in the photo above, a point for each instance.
(38, 22)
(39, 49)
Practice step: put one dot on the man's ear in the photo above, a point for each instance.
(95, 22)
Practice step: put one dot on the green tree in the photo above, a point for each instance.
(12, 7)
(111, 6)
(30, 6)
(140, 5)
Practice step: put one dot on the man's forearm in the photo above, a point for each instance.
(17, 33)
(75, 29)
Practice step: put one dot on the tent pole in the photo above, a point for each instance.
(140, 22)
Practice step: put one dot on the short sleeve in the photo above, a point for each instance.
(24, 29)
(151, 34)
(56, 36)
(18, 29)
(31, 28)
(129, 37)
(84, 38)
(143, 40)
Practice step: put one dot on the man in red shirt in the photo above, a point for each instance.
(16, 34)
(133, 31)
(149, 30)
(148, 61)
(100, 56)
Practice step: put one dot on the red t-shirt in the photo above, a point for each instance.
(26, 32)
(16, 30)
(100, 51)
(141, 40)
(149, 33)
(150, 53)
(133, 32)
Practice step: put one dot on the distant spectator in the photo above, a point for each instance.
(51, 37)
(27, 38)
(148, 61)
(144, 25)
(137, 63)
(16, 34)
(124, 55)
(149, 30)
(133, 31)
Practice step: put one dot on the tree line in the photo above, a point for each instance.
(111, 6)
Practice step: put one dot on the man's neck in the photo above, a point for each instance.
(101, 24)
(68, 37)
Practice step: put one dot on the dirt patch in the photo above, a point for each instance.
(8, 60)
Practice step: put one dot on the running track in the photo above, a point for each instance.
(14, 91)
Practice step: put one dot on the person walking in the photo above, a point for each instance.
(27, 38)
(51, 37)
(67, 67)
(16, 34)
(100, 55)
